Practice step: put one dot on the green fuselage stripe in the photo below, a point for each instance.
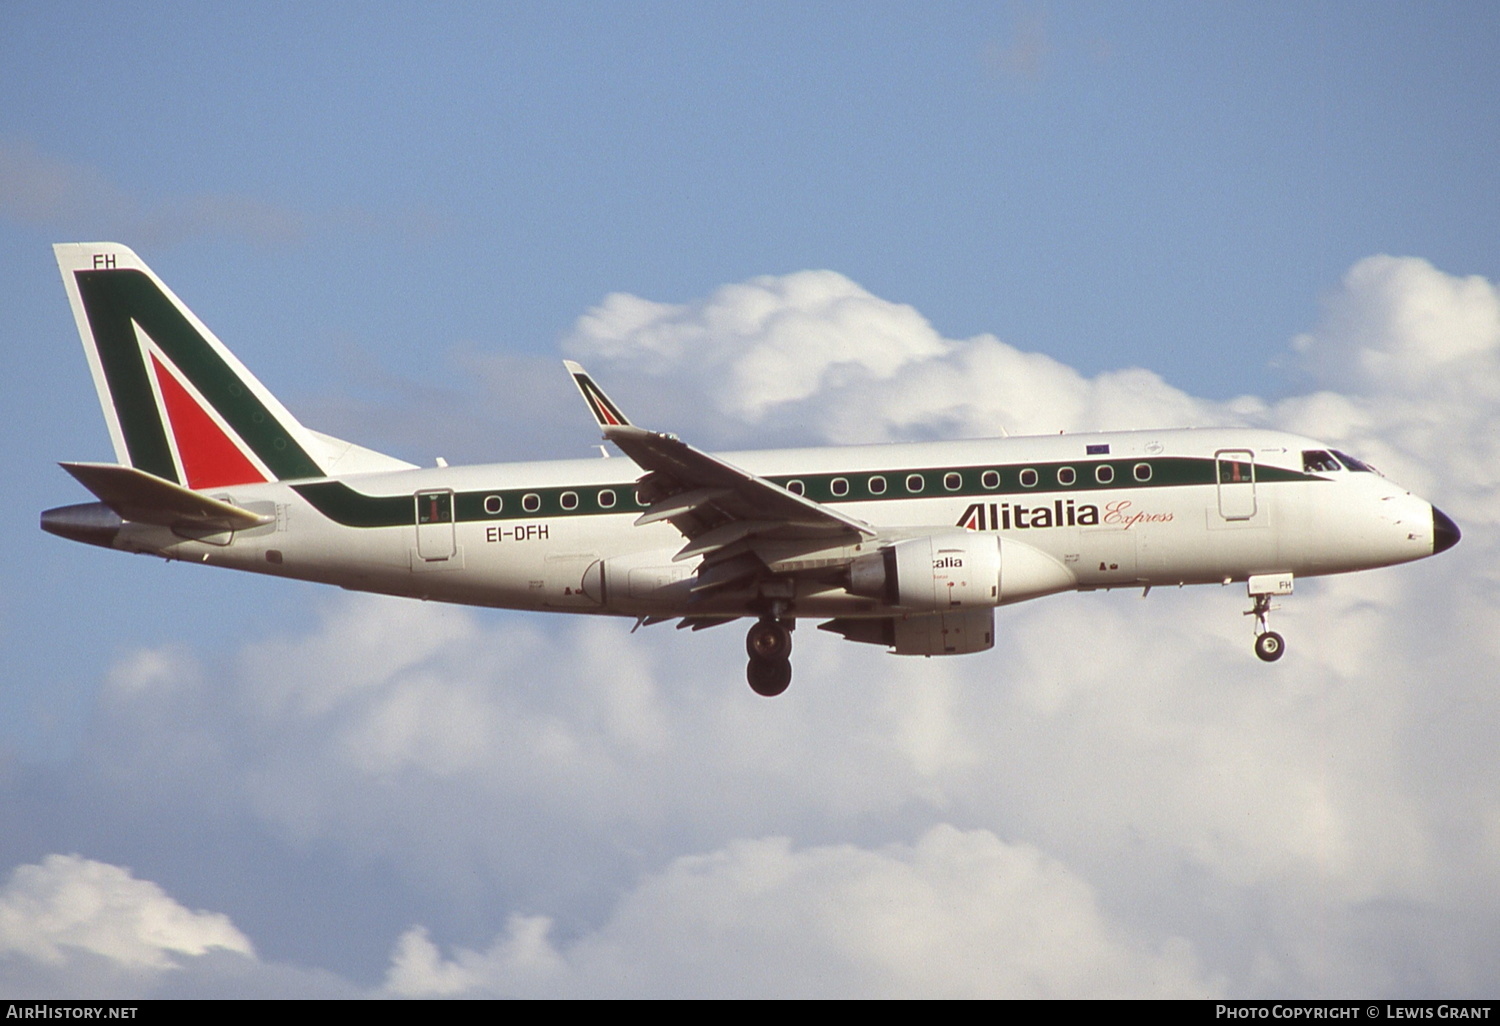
(342, 504)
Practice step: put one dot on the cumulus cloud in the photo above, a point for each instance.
(84, 923)
(813, 355)
(1409, 360)
(576, 733)
(1126, 760)
(1400, 324)
(68, 902)
(958, 914)
(1118, 800)
(762, 344)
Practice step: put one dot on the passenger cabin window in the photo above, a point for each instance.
(914, 483)
(839, 486)
(953, 481)
(1028, 478)
(1316, 461)
(876, 485)
(569, 500)
(990, 479)
(607, 499)
(796, 487)
(1104, 473)
(1066, 476)
(531, 502)
(1142, 472)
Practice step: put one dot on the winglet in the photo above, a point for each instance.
(604, 410)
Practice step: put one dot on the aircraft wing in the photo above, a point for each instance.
(716, 505)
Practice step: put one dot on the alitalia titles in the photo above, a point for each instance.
(1008, 516)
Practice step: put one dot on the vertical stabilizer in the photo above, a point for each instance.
(180, 405)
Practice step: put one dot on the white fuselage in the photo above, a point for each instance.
(1110, 510)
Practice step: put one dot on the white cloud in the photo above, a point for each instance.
(1410, 357)
(71, 903)
(1160, 747)
(73, 926)
(958, 914)
(761, 344)
(814, 354)
(1397, 325)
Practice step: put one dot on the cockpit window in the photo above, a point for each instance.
(1354, 464)
(1316, 461)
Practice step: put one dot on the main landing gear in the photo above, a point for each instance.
(1269, 645)
(769, 645)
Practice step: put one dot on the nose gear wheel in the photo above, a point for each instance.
(1269, 645)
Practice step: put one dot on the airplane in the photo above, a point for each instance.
(910, 546)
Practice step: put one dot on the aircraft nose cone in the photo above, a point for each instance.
(1445, 532)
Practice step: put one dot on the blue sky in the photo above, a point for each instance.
(397, 215)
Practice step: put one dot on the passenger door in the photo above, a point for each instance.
(1236, 482)
(434, 512)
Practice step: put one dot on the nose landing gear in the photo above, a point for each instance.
(1269, 645)
(769, 645)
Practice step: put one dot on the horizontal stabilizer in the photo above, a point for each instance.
(147, 499)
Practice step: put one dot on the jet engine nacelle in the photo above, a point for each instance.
(963, 569)
(933, 573)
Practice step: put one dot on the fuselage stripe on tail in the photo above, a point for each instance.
(118, 302)
(604, 410)
(125, 373)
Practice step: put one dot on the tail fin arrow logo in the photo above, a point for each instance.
(178, 403)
